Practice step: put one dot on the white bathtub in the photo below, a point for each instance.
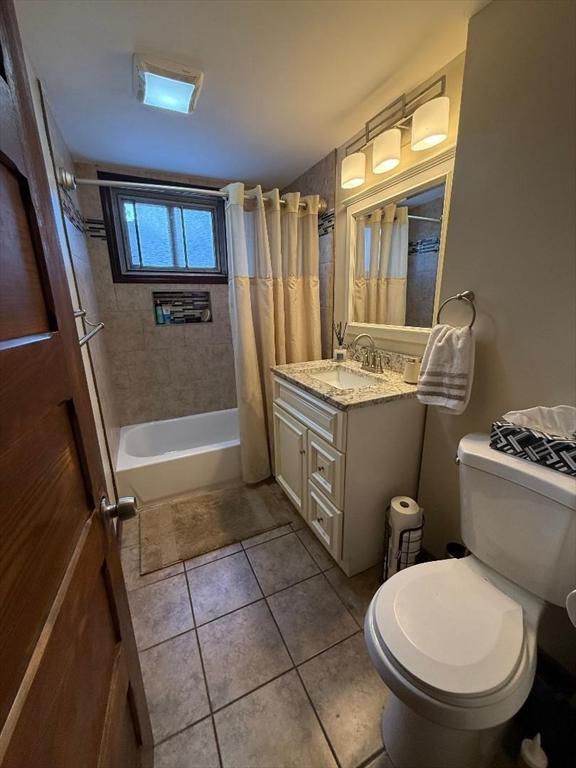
(168, 458)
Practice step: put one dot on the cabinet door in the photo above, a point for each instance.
(290, 457)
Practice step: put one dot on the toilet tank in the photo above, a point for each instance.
(519, 518)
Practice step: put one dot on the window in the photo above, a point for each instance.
(164, 236)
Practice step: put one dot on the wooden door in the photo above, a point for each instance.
(290, 457)
(71, 693)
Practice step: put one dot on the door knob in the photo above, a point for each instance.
(123, 509)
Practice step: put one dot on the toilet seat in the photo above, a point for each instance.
(450, 629)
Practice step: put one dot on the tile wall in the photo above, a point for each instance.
(157, 372)
(422, 265)
(85, 286)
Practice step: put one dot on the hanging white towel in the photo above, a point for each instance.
(447, 369)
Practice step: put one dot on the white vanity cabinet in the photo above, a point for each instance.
(340, 468)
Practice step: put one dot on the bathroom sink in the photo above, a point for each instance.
(342, 378)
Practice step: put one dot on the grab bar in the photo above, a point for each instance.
(97, 328)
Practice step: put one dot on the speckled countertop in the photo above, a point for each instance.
(381, 387)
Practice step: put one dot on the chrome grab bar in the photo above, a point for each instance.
(96, 327)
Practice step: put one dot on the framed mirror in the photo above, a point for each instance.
(395, 246)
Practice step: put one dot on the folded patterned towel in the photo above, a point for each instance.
(447, 369)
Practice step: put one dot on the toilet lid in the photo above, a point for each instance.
(450, 627)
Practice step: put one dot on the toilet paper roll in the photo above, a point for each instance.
(405, 513)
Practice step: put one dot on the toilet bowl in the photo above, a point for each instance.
(456, 644)
(455, 640)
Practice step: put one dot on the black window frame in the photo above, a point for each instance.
(112, 198)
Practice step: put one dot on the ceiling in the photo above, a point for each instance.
(285, 80)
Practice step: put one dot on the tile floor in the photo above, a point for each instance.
(253, 656)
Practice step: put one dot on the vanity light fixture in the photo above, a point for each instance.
(430, 123)
(427, 109)
(386, 151)
(353, 170)
(166, 84)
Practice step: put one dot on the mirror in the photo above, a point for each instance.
(396, 259)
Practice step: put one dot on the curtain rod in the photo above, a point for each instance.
(424, 218)
(413, 216)
(69, 182)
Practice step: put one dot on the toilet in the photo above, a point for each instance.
(456, 640)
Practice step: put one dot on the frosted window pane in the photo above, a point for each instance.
(199, 239)
(154, 229)
(169, 237)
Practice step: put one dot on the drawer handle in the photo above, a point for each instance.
(320, 520)
(321, 469)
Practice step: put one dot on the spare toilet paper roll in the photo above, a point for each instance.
(405, 512)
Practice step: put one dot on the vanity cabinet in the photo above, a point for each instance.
(340, 467)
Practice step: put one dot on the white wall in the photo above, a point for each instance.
(511, 238)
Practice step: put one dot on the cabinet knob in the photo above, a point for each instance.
(320, 520)
(302, 451)
(321, 469)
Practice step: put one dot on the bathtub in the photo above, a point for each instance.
(169, 458)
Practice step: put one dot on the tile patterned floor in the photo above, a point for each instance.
(253, 657)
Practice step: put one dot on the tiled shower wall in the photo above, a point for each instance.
(320, 179)
(423, 266)
(85, 286)
(157, 372)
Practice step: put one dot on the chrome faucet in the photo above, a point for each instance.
(353, 344)
(371, 358)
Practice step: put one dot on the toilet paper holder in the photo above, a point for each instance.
(409, 545)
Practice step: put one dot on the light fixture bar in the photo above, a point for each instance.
(396, 114)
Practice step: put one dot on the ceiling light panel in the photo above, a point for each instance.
(166, 84)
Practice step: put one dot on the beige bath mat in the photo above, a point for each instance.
(178, 529)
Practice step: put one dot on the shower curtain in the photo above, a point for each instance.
(274, 298)
(381, 268)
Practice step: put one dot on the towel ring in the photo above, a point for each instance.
(464, 296)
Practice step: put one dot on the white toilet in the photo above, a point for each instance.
(455, 640)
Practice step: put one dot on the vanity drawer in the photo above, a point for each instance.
(326, 468)
(328, 422)
(325, 520)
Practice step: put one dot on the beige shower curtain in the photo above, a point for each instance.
(381, 267)
(274, 298)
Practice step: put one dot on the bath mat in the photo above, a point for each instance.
(188, 526)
